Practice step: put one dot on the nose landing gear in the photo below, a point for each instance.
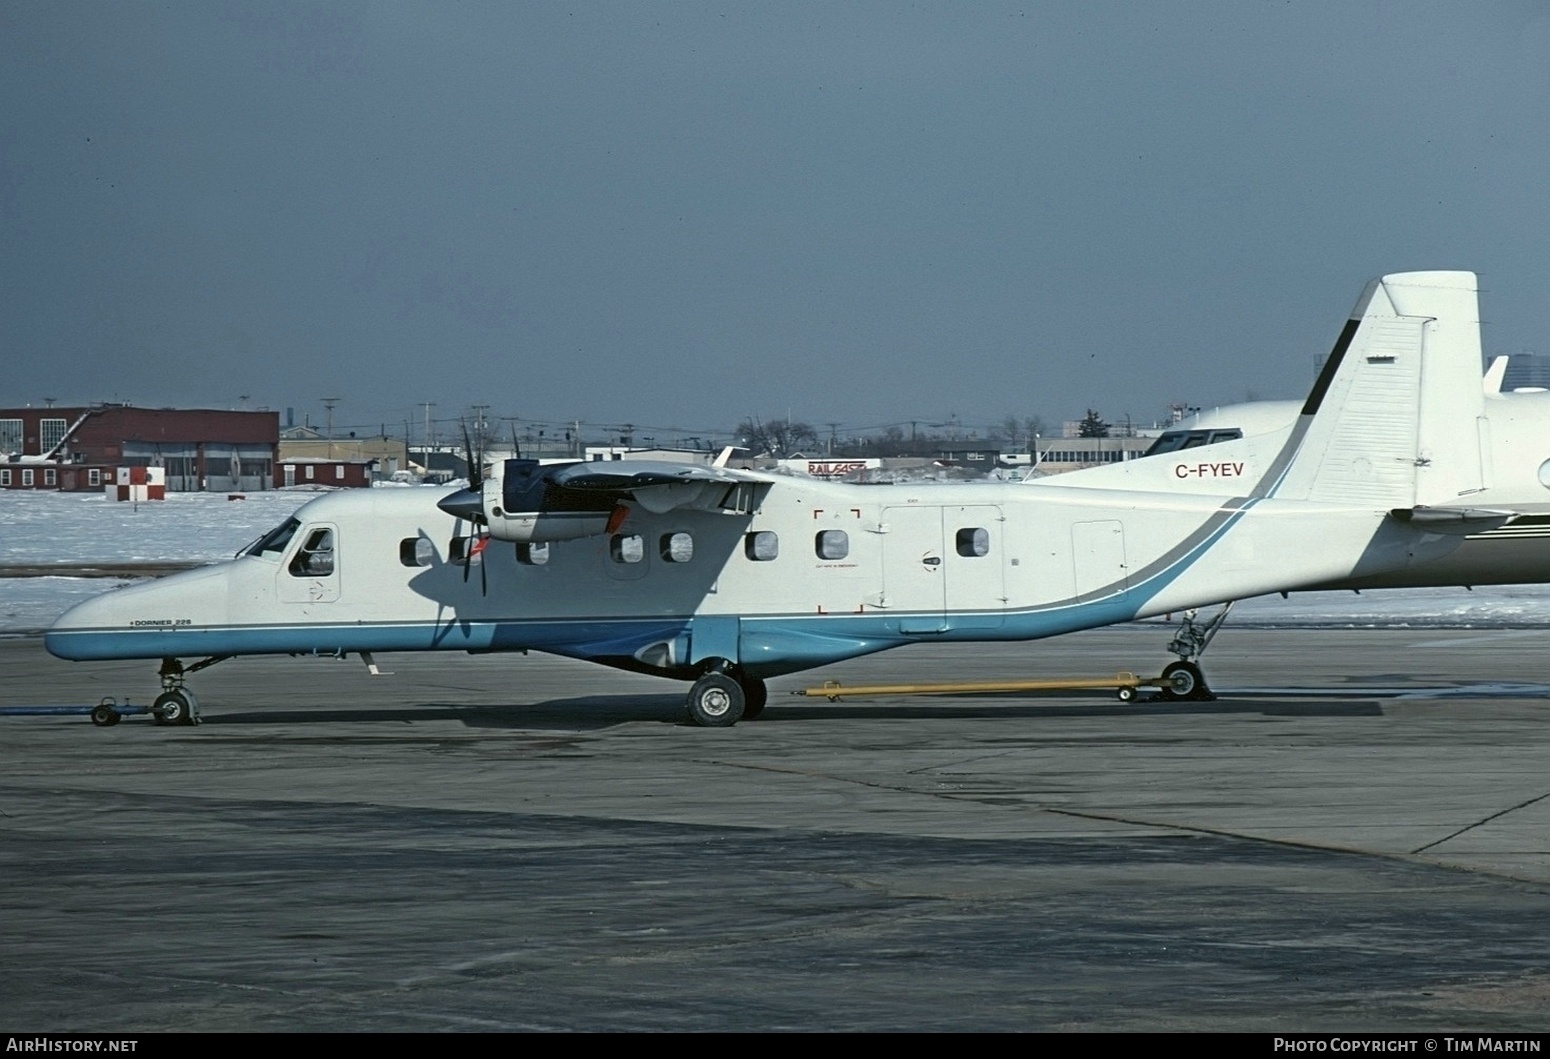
(177, 703)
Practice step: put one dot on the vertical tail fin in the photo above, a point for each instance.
(1396, 415)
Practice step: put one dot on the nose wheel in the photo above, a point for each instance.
(177, 703)
(176, 707)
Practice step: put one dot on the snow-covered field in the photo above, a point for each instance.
(47, 528)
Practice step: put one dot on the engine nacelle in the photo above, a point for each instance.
(519, 504)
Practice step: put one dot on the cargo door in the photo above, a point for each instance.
(914, 577)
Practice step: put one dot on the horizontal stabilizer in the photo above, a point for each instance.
(1425, 516)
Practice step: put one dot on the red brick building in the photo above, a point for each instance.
(82, 448)
(340, 474)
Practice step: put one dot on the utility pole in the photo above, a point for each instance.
(328, 403)
(427, 441)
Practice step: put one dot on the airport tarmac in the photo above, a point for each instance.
(1354, 836)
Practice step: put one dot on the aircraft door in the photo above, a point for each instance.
(310, 573)
(914, 577)
(1098, 558)
(974, 546)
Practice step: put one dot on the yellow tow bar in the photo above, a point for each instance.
(1123, 684)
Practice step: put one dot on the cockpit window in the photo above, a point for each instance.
(1177, 440)
(272, 544)
(316, 557)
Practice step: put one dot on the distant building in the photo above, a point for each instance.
(973, 456)
(338, 474)
(383, 456)
(1072, 454)
(832, 467)
(81, 449)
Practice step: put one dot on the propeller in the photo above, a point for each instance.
(467, 504)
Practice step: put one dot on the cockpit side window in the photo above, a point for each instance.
(1178, 440)
(315, 558)
(272, 544)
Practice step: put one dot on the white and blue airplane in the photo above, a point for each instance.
(725, 578)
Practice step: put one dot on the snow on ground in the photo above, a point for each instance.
(43, 528)
(46, 528)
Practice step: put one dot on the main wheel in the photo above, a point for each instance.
(173, 707)
(1183, 680)
(716, 701)
(755, 695)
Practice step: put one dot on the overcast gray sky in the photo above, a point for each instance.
(682, 214)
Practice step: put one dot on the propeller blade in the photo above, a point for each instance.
(474, 462)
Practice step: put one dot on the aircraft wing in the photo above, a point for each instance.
(656, 486)
(623, 477)
(525, 501)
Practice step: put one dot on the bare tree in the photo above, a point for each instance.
(777, 436)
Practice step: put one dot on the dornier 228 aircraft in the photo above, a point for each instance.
(725, 578)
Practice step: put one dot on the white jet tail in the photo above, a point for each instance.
(1396, 418)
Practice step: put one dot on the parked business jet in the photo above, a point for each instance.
(724, 578)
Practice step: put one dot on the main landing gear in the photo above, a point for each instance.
(1183, 679)
(725, 695)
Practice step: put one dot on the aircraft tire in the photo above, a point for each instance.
(1184, 680)
(755, 696)
(172, 707)
(715, 701)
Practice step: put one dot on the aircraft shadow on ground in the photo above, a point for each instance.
(596, 712)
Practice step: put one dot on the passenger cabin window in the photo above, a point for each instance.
(832, 544)
(533, 554)
(677, 547)
(761, 546)
(973, 542)
(627, 548)
(416, 551)
(316, 557)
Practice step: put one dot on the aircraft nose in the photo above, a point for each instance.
(131, 622)
(62, 640)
